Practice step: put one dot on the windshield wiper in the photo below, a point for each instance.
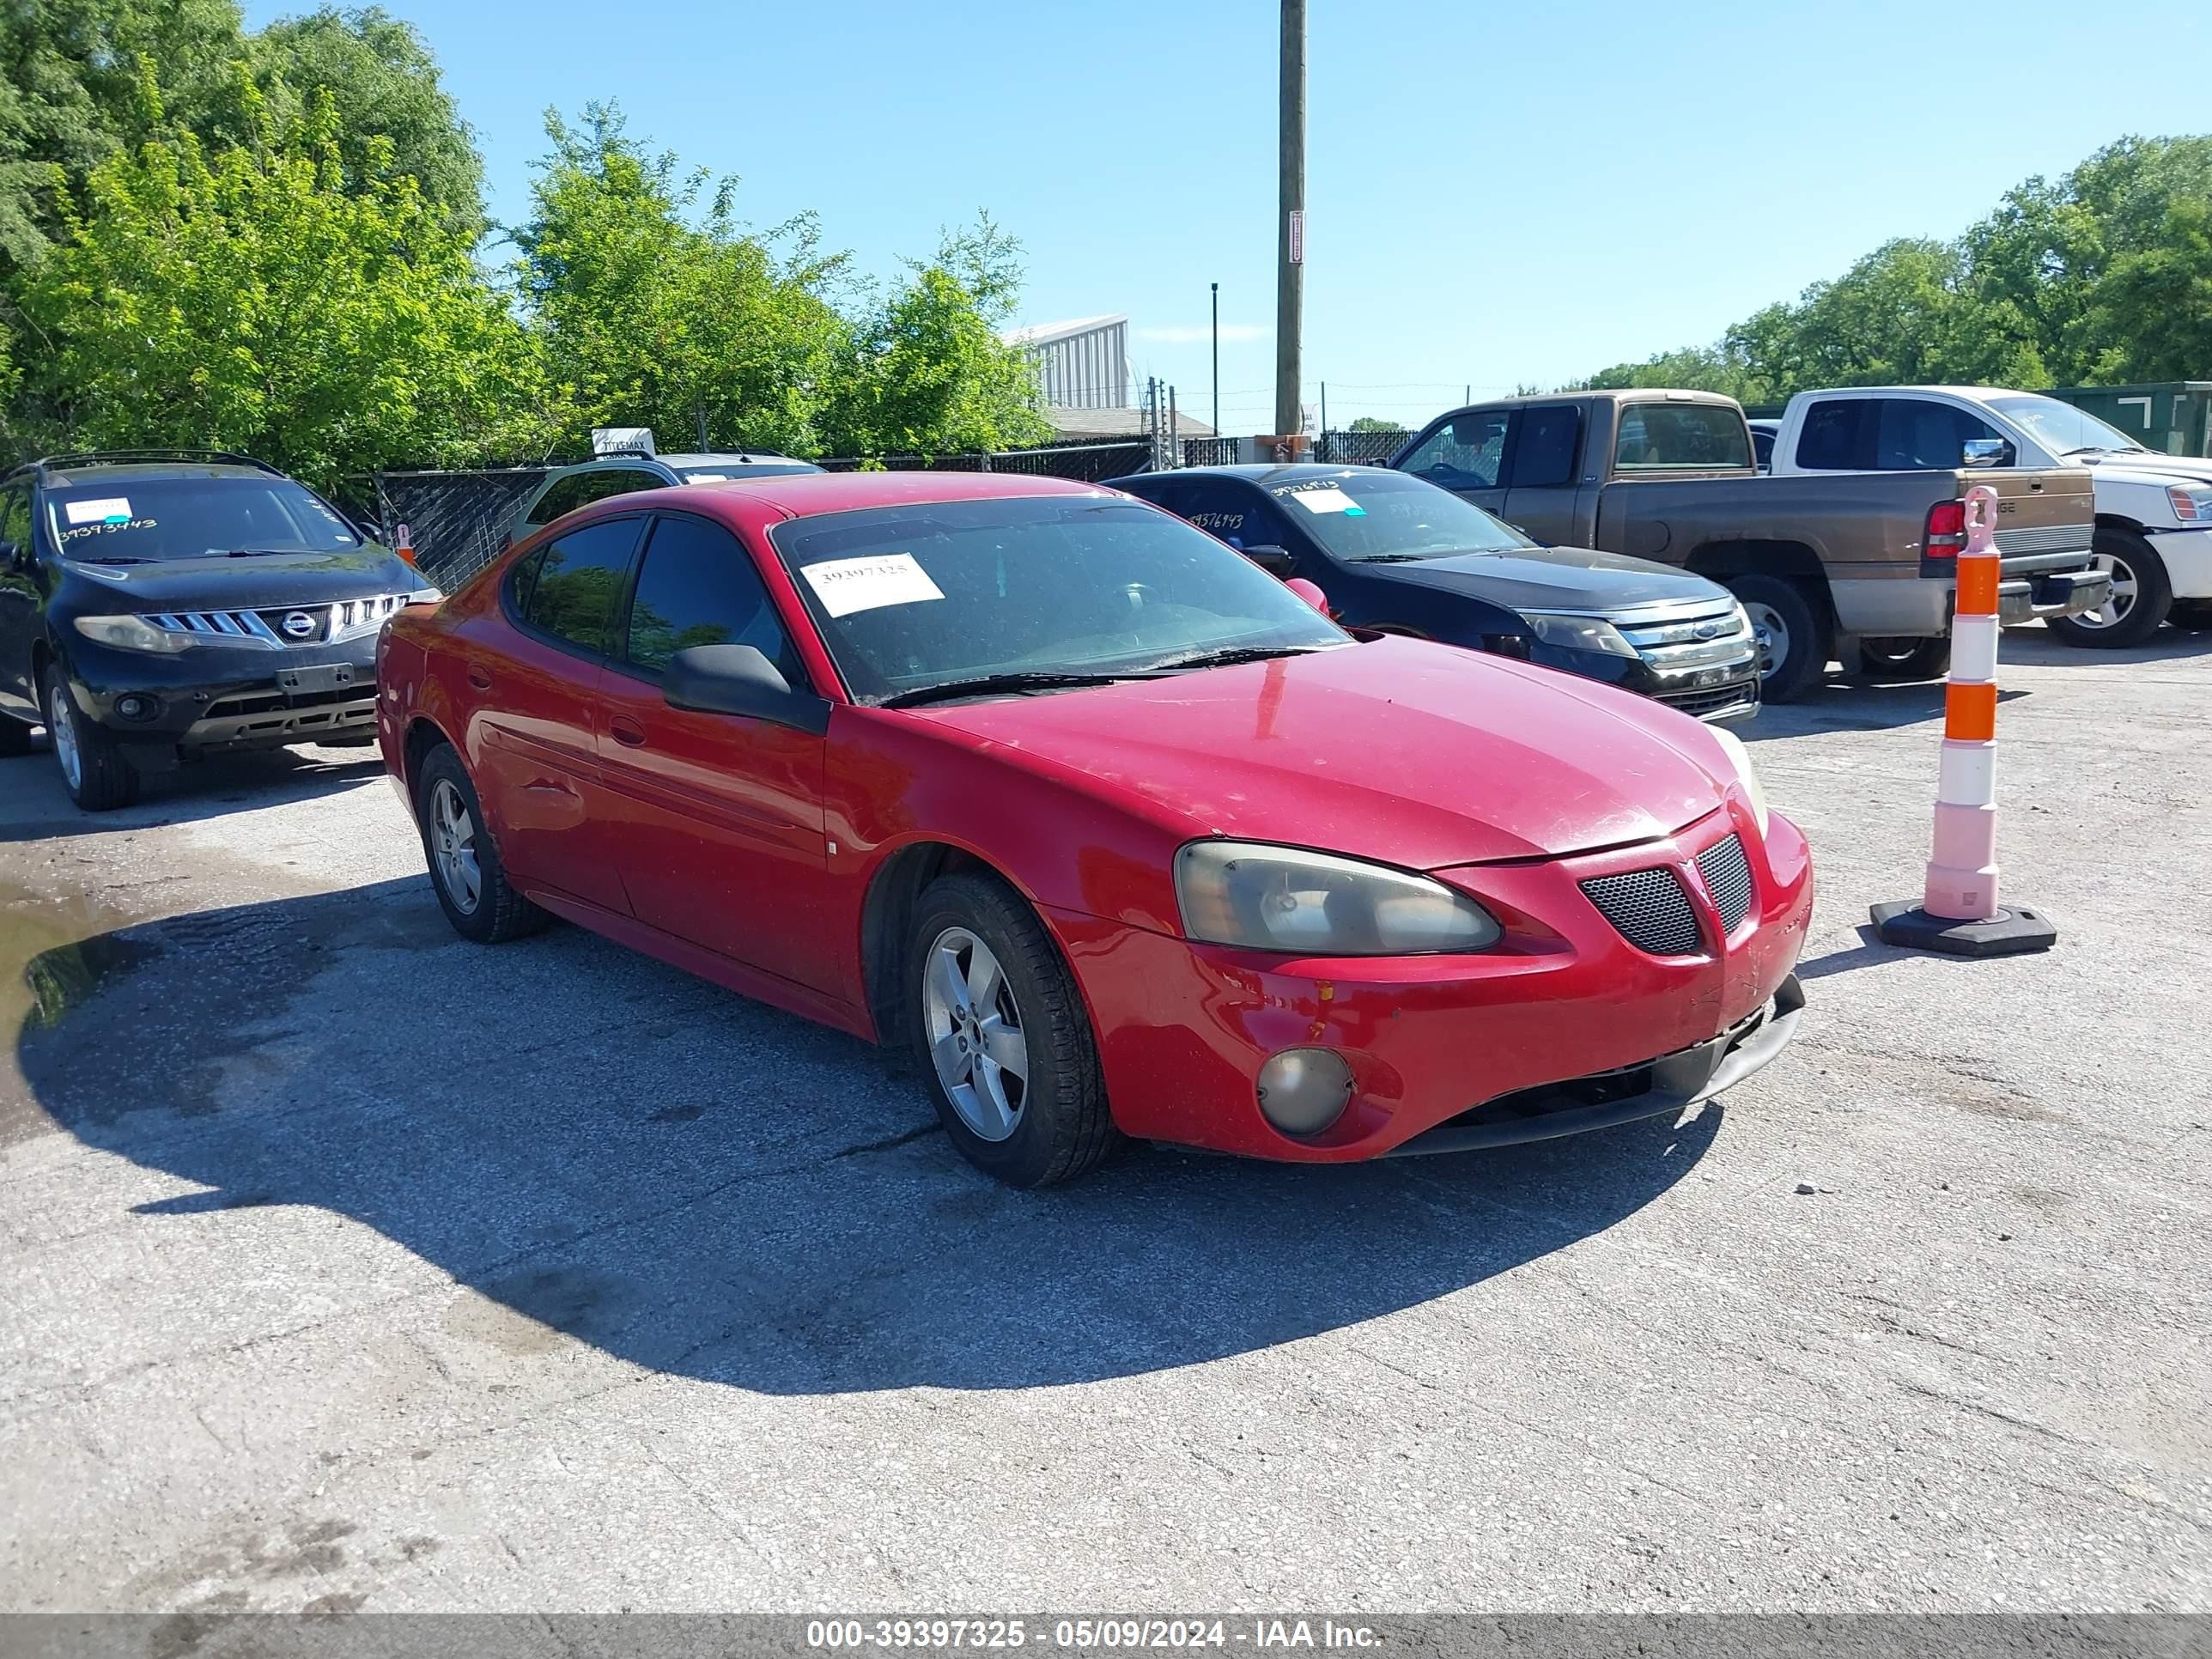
(105, 558)
(985, 685)
(1395, 558)
(268, 552)
(1232, 655)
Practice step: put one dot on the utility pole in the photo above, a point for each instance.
(1290, 238)
(1217, 359)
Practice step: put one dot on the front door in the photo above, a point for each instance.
(1541, 487)
(532, 683)
(719, 817)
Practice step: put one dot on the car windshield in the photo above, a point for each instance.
(2061, 428)
(152, 518)
(1369, 514)
(938, 593)
(706, 472)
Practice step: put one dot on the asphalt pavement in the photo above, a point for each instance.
(344, 1264)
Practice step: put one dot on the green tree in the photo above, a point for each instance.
(254, 301)
(661, 322)
(69, 94)
(925, 371)
(1375, 423)
(2158, 299)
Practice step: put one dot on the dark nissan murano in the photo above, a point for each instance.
(1398, 553)
(158, 605)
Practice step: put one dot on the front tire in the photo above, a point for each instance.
(465, 870)
(2141, 596)
(1792, 628)
(1904, 658)
(95, 771)
(1000, 1032)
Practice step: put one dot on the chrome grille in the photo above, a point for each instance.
(263, 629)
(1727, 878)
(1692, 637)
(1649, 908)
(1711, 699)
(2045, 539)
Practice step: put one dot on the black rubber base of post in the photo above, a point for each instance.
(2014, 931)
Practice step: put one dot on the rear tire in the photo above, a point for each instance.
(95, 771)
(465, 870)
(1793, 636)
(999, 1030)
(1904, 658)
(2133, 616)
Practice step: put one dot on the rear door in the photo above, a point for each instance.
(718, 818)
(534, 687)
(1540, 485)
(1465, 453)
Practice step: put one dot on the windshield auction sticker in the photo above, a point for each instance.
(846, 586)
(1327, 499)
(109, 509)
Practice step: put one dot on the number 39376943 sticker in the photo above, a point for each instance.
(846, 586)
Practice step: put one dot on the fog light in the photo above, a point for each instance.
(132, 706)
(1303, 1091)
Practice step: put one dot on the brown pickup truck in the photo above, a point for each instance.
(1855, 565)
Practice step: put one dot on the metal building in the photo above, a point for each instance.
(1084, 364)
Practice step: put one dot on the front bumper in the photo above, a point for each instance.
(2187, 556)
(1565, 1005)
(210, 699)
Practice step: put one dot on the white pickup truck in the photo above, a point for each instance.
(2154, 510)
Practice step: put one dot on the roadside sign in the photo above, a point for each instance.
(1298, 236)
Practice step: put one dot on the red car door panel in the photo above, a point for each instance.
(532, 677)
(717, 818)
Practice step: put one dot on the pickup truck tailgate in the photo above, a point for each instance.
(2043, 518)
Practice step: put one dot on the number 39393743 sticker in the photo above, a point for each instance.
(846, 586)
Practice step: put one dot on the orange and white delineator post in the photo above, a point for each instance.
(1959, 910)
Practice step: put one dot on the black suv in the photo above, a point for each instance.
(160, 605)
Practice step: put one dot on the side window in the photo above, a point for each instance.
(1544, 453)
(579, 580)
(1837, 435)
(1916, 435)
(1463, 453)
(15, 518)
(1229, 510)
(697, 586)
(522, 581)
(561, 496)
(581, 489)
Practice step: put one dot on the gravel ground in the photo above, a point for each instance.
(344, 1264)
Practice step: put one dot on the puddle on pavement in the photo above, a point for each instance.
(55, 950)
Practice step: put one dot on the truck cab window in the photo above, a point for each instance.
(1465, 452)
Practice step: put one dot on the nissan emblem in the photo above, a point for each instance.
(298, 624)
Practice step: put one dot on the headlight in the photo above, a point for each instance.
(2191, 506)
(1282, 898)
(1745, 775)
(1578, 632)
(425, 594)
(132, 634)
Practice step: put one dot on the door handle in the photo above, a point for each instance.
(627, 733)
(479, 678)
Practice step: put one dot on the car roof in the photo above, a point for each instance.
(1261, 472)
(67, 475)
(698, 458)
(804, 495)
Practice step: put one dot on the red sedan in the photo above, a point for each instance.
(1113, 829)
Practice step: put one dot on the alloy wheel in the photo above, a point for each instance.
(61, 726)
(453, 847)
(2122, 599)
(1772, 634)
(975, 1037)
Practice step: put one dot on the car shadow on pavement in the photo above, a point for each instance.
(699, 1185)
(33, 807)
(1854, 706)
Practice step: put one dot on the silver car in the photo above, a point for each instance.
(571, 487)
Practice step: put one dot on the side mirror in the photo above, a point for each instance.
(1312, 594)
(738, 679)
(1985, 452)
(1275, 560)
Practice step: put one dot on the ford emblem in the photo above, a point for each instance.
(298, 624)
(1705, 630)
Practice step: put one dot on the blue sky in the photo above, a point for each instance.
(1496, 193)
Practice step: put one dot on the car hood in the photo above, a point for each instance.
(1553, 579)
(265, 578)
(1415, 754)
(2152, 468)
